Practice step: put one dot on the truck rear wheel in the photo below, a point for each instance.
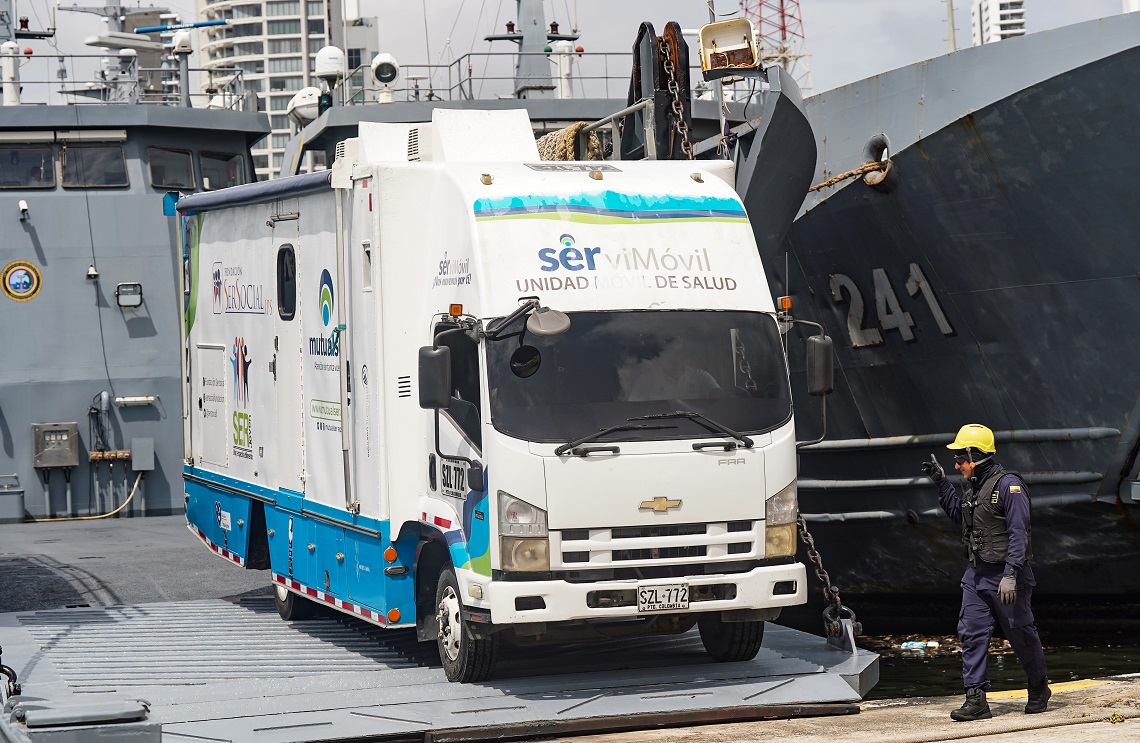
(730, 642)
(465, 658)
(291, 606)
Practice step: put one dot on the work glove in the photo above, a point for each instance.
(1007, 589)
(933, 470)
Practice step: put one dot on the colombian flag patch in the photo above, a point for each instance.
(1015, 488)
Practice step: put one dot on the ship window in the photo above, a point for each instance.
(286, 282)
(221, 170)
(94, 167)
(27, 167)
(170, 168)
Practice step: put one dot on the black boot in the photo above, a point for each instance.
(1039, 694)
(974, 708)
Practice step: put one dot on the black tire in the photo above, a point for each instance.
(730, 642)
(291, 606)
(465, 658)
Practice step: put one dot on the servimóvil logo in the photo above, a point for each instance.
(326, 297)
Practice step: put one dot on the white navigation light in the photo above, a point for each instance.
(182, 43)
(329, 65)
(302, 107)
(385, 69)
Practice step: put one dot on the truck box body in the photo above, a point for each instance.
(309, 301)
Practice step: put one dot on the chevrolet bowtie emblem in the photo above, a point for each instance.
(660, 504)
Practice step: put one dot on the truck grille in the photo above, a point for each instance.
(657, 544)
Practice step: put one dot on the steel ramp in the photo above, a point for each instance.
(215, 670)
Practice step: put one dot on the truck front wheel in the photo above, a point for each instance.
(465, 658)
(291, 606)
(730, 642)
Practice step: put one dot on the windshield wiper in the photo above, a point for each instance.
(699, 418)
(602, 432)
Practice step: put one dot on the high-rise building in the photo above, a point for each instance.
(994, 20)
(1131, 6)
(274, 43)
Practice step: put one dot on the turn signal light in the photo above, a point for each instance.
(393, 615)
(455, 310)
(390, 554)
(785, 303)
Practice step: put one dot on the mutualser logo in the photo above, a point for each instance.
(326, 345)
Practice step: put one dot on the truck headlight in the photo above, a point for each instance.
(522, 528)
(779, 541)
(517, 518)
(783, 507)
(524, 553)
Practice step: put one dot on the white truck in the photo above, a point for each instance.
(447, 385)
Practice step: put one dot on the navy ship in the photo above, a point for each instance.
(90, 401)
(990, 274)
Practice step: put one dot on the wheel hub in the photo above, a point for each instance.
(450, 623)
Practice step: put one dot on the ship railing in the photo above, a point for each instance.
(217, 88)
(77, 79)
(490, 76)
(613, 126)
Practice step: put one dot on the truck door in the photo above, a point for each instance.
(287, 360)
(460, 423)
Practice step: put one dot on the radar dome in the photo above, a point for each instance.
(329, 65)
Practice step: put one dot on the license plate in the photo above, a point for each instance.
(663, 597)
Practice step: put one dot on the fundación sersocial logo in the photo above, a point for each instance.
(233, 293)
(325, 345)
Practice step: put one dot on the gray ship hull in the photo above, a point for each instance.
(70, 341)
(1019, 218)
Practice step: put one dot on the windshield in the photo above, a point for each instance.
(612, 366)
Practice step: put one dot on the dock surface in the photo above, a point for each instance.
(1085, 711)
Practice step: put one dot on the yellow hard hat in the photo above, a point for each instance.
(976, 436)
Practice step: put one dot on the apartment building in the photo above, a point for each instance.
(994, 20)
(274, 43)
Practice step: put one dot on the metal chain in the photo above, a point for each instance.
(743, 365)
(679, 124)
(861, 170)
(835, 609)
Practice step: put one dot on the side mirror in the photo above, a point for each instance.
(820, 369)
(475, 477)
(435, 377)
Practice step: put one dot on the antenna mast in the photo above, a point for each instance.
(781, 30)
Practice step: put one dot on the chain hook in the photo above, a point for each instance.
(834, 612)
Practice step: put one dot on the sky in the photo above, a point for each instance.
(846, 40)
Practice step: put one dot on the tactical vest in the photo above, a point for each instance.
(984, 531)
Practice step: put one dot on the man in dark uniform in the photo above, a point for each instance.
(997, 586)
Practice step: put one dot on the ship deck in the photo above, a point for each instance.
(225, 667)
